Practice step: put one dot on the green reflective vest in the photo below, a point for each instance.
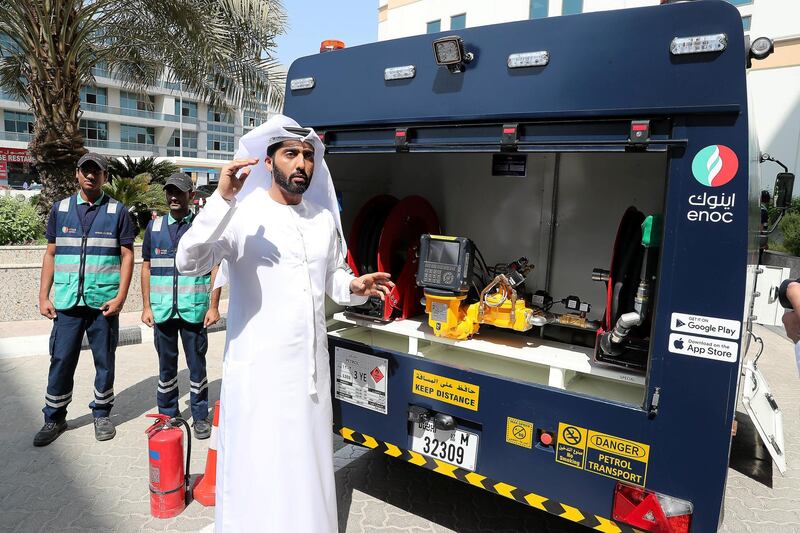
(87, 266)
(173, 295)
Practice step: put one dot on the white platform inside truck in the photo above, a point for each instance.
(520, 357)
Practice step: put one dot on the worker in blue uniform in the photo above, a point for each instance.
(88, 264)
(174, 304)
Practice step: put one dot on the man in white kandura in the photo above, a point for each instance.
(275, 221)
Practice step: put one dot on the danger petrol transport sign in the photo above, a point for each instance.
(603, 454)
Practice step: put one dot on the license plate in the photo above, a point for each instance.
(455, 446)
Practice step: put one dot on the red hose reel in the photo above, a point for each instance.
(385, 238)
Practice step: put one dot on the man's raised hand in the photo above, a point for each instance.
(229, 182)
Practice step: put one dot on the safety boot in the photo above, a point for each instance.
(202, 429)
(104, 428)
(49, 432)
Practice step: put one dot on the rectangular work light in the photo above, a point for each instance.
(698, 44)
(529, 59)
(301, 83)
(399, 73)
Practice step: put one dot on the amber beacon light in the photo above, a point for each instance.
(330, 45)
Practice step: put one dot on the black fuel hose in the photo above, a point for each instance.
(188, 450)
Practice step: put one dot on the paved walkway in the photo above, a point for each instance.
(79, 485)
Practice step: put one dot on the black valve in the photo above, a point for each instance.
(443, 421)
(417, 414)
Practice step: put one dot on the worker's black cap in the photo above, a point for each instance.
(181, 180)
(98, 159)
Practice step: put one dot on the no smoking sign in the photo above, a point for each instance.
(519, 432)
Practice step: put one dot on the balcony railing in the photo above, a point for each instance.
(130, 147)
(219, 155)
(175, 152)
(154, 149)
(158, 150)
(9, 97)
(124, 111)
(14, 136)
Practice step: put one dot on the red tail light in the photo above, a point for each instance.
(651, 511)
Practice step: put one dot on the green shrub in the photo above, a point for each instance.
(777, 247)
(790, 227)
(19, 221)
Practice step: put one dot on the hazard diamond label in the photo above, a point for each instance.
(361, 379)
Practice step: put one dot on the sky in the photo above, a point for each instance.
(311, 22)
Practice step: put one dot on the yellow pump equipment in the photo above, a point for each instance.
(445, 269)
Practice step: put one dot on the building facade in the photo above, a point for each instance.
(164, 121)
(774, 83)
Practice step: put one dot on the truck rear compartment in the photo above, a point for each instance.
(562, 215)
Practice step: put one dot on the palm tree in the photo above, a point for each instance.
(139, 195)
(127, 167)
(219, 49)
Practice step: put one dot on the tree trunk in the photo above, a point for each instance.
(54, 89)
(56, 151)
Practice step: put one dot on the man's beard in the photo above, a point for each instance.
(286, 183)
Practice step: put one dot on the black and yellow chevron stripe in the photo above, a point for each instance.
(598, 523)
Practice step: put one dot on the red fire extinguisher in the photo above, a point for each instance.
(169, 481)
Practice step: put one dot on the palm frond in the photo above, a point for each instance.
(127, 167)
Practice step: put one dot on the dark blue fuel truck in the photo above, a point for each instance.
(569, 208)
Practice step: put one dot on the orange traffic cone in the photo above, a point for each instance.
(206, 485)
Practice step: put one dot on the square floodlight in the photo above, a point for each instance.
(449, 50)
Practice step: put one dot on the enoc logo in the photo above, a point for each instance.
(715, 165)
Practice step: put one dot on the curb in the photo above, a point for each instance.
(24, 346)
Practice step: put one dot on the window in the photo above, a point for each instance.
(251, 119)
(220, 128)
(189, 108)
(189, 144)
(746, 22)
(138, 102)
(94, 95)
(18, 122)
(94, 130)
(740, 2)
(572, 7)
(435, 26)
(219, 142)
(101, 69)
(8, 46)
(539, 9)
(458, 22)
(137, 134)
(219, 115)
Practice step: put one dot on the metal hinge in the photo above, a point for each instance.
(775, 444)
